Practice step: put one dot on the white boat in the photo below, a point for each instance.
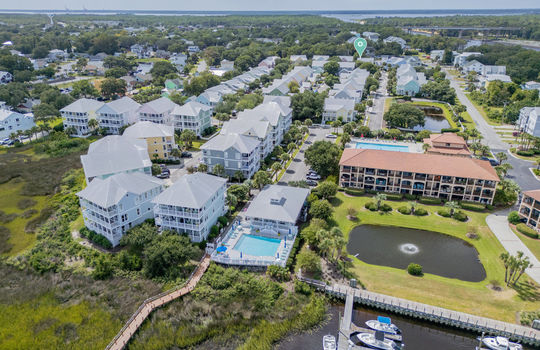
(377, 341)
(329, 342)
(383, 324)
(500, 343)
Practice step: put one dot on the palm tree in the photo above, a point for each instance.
(501, 157)
(324, 241)
(503, 169)
(93, 124)
(291, 147)
(453, 206)
(238, 175)
(70, 131)
(426, 147)
(249, 183)
(336, 124)
(413, 205)
(175, 152)
(336, 237)
(34, 130)
(304, 130)
(276, 167)
(505, 257)
(218, 170)
(202, 168)
(284, 157)
(345, 139)
(379, 198)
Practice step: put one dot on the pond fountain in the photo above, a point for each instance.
(439, 254)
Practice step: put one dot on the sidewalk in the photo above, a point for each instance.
(499, 226)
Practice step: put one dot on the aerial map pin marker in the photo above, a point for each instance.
(360, 45)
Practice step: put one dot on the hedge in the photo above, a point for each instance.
(460, 216)
(450, 130)
(472, 206)
(354, 191)
(444, 212)
(394, 197)
(292, 255)
(513, 217)
(420, 212)
(527, 231)
(385, 208)
(404, 210)
(371, 191)
(525, 153)
(411, 197)
(429, 200)
(95, 238)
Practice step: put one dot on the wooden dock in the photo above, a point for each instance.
(449, 318)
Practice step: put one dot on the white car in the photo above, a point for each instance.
(331, 136)
(313, 177)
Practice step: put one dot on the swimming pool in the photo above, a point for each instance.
(382, 146)
(257, 246)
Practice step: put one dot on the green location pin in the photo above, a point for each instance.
(360, 45)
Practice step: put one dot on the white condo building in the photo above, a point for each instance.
(157, 111)
(191, 205)
(78, 113)
(112, 206)
(114, 115)
(11, 122)
(193, 116)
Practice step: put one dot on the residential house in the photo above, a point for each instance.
(277, 114)
(157, 111)
(346, 58)
(298, 58)
(192, 116)
(346, 67)
(141, 51)
(77, 114)
(234, 152)
(472, 43)
(5, 77)
(461, 59)
(284, 101)
(130, 82)
(114, 115)
(269, 62)
(421, 174)
(395, 39)
(371, 36)
(259, 129)
(336, 108)
(173, 84)
(162, 54)
(484, 80)
(280, 87)
(192, 205)
(473, 66)
(143, 78)
(529, 120)
(531, 85)
(179, 61)
(277, 209)
(448, 144)
(112, 206)
(409, 81)
(320, 58)
(210, 98)
(115, 154)
(488, 70)
(159, 138)
(56, 55)
(227, 65)
(11, 122)
(193, 49)
(436, 55)
(529, 209)
(144, 67)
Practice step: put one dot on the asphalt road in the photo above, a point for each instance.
(298, 169)
(178, 171)
(376, 116)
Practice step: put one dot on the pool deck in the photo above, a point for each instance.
(414, 147)
(232, 256)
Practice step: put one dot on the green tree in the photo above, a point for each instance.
(293, 87)
(113, 87)
(321, 209)
(403, 115)
(218, 170)
(323, 157)
(261, 178)
(379, 198)
(166, 254)
(326, 190)
(187, 137)
(453, 206)
(83, 88)
(308, 261)
(331, 67)
(162, 68)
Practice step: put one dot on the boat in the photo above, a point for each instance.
(383, 324)
(500, 343)
(329, 342)
(377, 341)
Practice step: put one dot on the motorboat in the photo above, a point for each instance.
(377, 341)
(500, 343)
(329, 342)
(383, 324)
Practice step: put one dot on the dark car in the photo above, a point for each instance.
(492, 161)
(311, 183)
(163, 176)
(186, 155)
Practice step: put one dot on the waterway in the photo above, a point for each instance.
(433, 124)
(397, 247)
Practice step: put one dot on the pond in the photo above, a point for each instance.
(439, 254)
(434, 124)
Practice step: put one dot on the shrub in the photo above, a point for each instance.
(371, 206)
(223, 221)
(354, 191)
(444, 213)
(404, 210)
(302, 287)
(420, 212)
(415, 269)
(526, 230)
(489, 207)
(410, 197)
(450, 130)
(371, 191)
(429, 200)
(95, 238)
(292, 255)
(472, 206)
(385, 208)
(309, 261)
(214, 232)
(26, 203)
(513, 217)
(460, 216)
(525, 153)
(394, 197)
(202, 244)
(278, 273)
(27, 214)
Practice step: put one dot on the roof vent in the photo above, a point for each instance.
(277, 200)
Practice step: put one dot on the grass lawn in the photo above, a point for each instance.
(11, 195)
(483, 112)
(470, 297)
(196, 145)
(531, 243)
(387, 104)
(446, 111)
(151, 59)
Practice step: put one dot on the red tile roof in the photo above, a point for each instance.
(534, 194)
(433, 164)
(447, 137)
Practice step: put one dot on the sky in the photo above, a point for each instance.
(259, 5)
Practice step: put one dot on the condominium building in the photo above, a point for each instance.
(115, 154)
(77, 114)
(157, 111)
(114, 115)
(191, 205)
(279, 117)
(335, 108)
(193, 116)
(258, 129)
(159, 138)
(409, 81)
(529, 120)
(276, 209)
(447, 143)
(529, 209)
(11, 122)
(113, 205)
(235, 152)
(431, 175)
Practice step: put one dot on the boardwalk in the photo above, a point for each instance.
(431, 313)
(150, 304)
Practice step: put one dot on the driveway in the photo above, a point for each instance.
(499, 226)
(177, 171)
(298, 169)
(376, 115)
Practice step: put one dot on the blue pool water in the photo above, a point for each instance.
(257, 246)
(382, 146)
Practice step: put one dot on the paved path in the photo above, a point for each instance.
(499, 226)
(376, 116)
(149, 305)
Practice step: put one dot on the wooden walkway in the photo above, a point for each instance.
(152, 303)
(525, 335)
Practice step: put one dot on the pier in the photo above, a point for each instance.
(412, 309)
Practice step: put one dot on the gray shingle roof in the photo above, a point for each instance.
(83, 105)
(122, 105)
(248, 127)
(146, 129)
(111, 190)
(191, 108)
(191, 191)
(241, 143)
(161, 105)
(275, 202)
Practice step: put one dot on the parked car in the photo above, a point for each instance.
(313, 177)
(163, 176)
(331, 136)
(186, 155)
(492, 161)
(311, 183)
